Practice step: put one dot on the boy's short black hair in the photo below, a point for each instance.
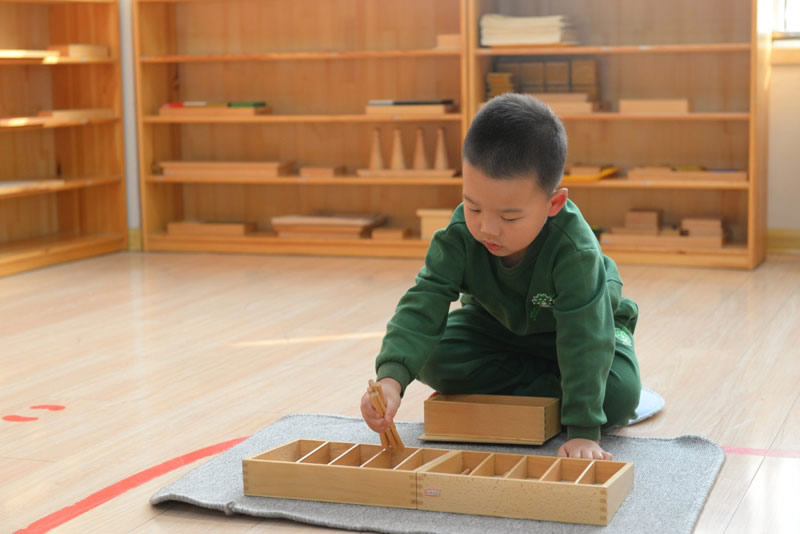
(516, 135)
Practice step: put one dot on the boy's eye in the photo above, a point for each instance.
(511, 220)
(473, 210)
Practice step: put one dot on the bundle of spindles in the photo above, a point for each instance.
(390, 439)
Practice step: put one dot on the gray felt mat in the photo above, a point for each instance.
(672, 480)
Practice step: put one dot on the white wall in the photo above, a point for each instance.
(784, 148)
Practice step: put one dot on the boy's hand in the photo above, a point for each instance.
(583, 448)
(391, 391)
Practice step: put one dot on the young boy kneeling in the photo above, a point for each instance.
(542, 308)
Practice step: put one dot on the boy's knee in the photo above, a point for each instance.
(622, 398)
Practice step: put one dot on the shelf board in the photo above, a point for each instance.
(612, 49)
(300, 180)
(55, 61)
(31, 123)
(729, 256)
(624, 183)
(302, 56)
(53, 186)
(697, 116)
(18, 256)
(278, 119)
(270, 244)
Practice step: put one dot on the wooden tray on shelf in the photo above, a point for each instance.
(227, 169)
(571, 490)
(605, 173)
(491, 419)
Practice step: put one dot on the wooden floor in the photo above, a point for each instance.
(158, 355)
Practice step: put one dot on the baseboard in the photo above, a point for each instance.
(783, 241)
(135, 239)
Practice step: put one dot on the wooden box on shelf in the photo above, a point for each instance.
(571, 490)
(322, 172)
(432, 220)
(325, 226)
(492, 419)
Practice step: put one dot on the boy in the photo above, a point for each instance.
(542, 312)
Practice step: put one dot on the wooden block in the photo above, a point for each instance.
(491, 419)
(432, 220)
(391, 234)
(652, 105)
(409, 109)
(228, 169)
(398, 162)
(634, 231)
(78, 114)
(376, 151)
(564, 108)
(643, 219)
(420, 158)
(441, 161)
(196, 228)
(81, 50)
(556, 73)
(448, 40)
(27, 54)
(584, 72)
(572, 490)
(322, 172)
(703, 227)
(367, 221)
(216, 110)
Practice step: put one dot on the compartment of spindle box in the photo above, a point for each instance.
(332, 471)
(569, 490)
(491, 419)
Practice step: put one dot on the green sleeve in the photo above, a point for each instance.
(584, 341)
(421, 315)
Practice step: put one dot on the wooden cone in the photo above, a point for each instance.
(441, 163)
(375, 157)
(420, 159)
(398, 161)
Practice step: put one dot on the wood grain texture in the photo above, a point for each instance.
(734, 357)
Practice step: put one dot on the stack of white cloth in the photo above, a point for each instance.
(499, 30)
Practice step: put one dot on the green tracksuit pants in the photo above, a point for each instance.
(478, 355)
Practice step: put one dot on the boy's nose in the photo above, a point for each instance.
(490, 229)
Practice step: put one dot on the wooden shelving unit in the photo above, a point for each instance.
(317, 63)
(62, 196)
(712, 52)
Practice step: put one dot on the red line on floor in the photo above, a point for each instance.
(19, 418)
(115, 490)
(762, 452)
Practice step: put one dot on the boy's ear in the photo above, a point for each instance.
(557, 201)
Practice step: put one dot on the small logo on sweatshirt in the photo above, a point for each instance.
(540, 301)
(623, 337)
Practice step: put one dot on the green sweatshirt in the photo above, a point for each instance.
(564, 286)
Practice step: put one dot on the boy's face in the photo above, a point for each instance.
(506, 215)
